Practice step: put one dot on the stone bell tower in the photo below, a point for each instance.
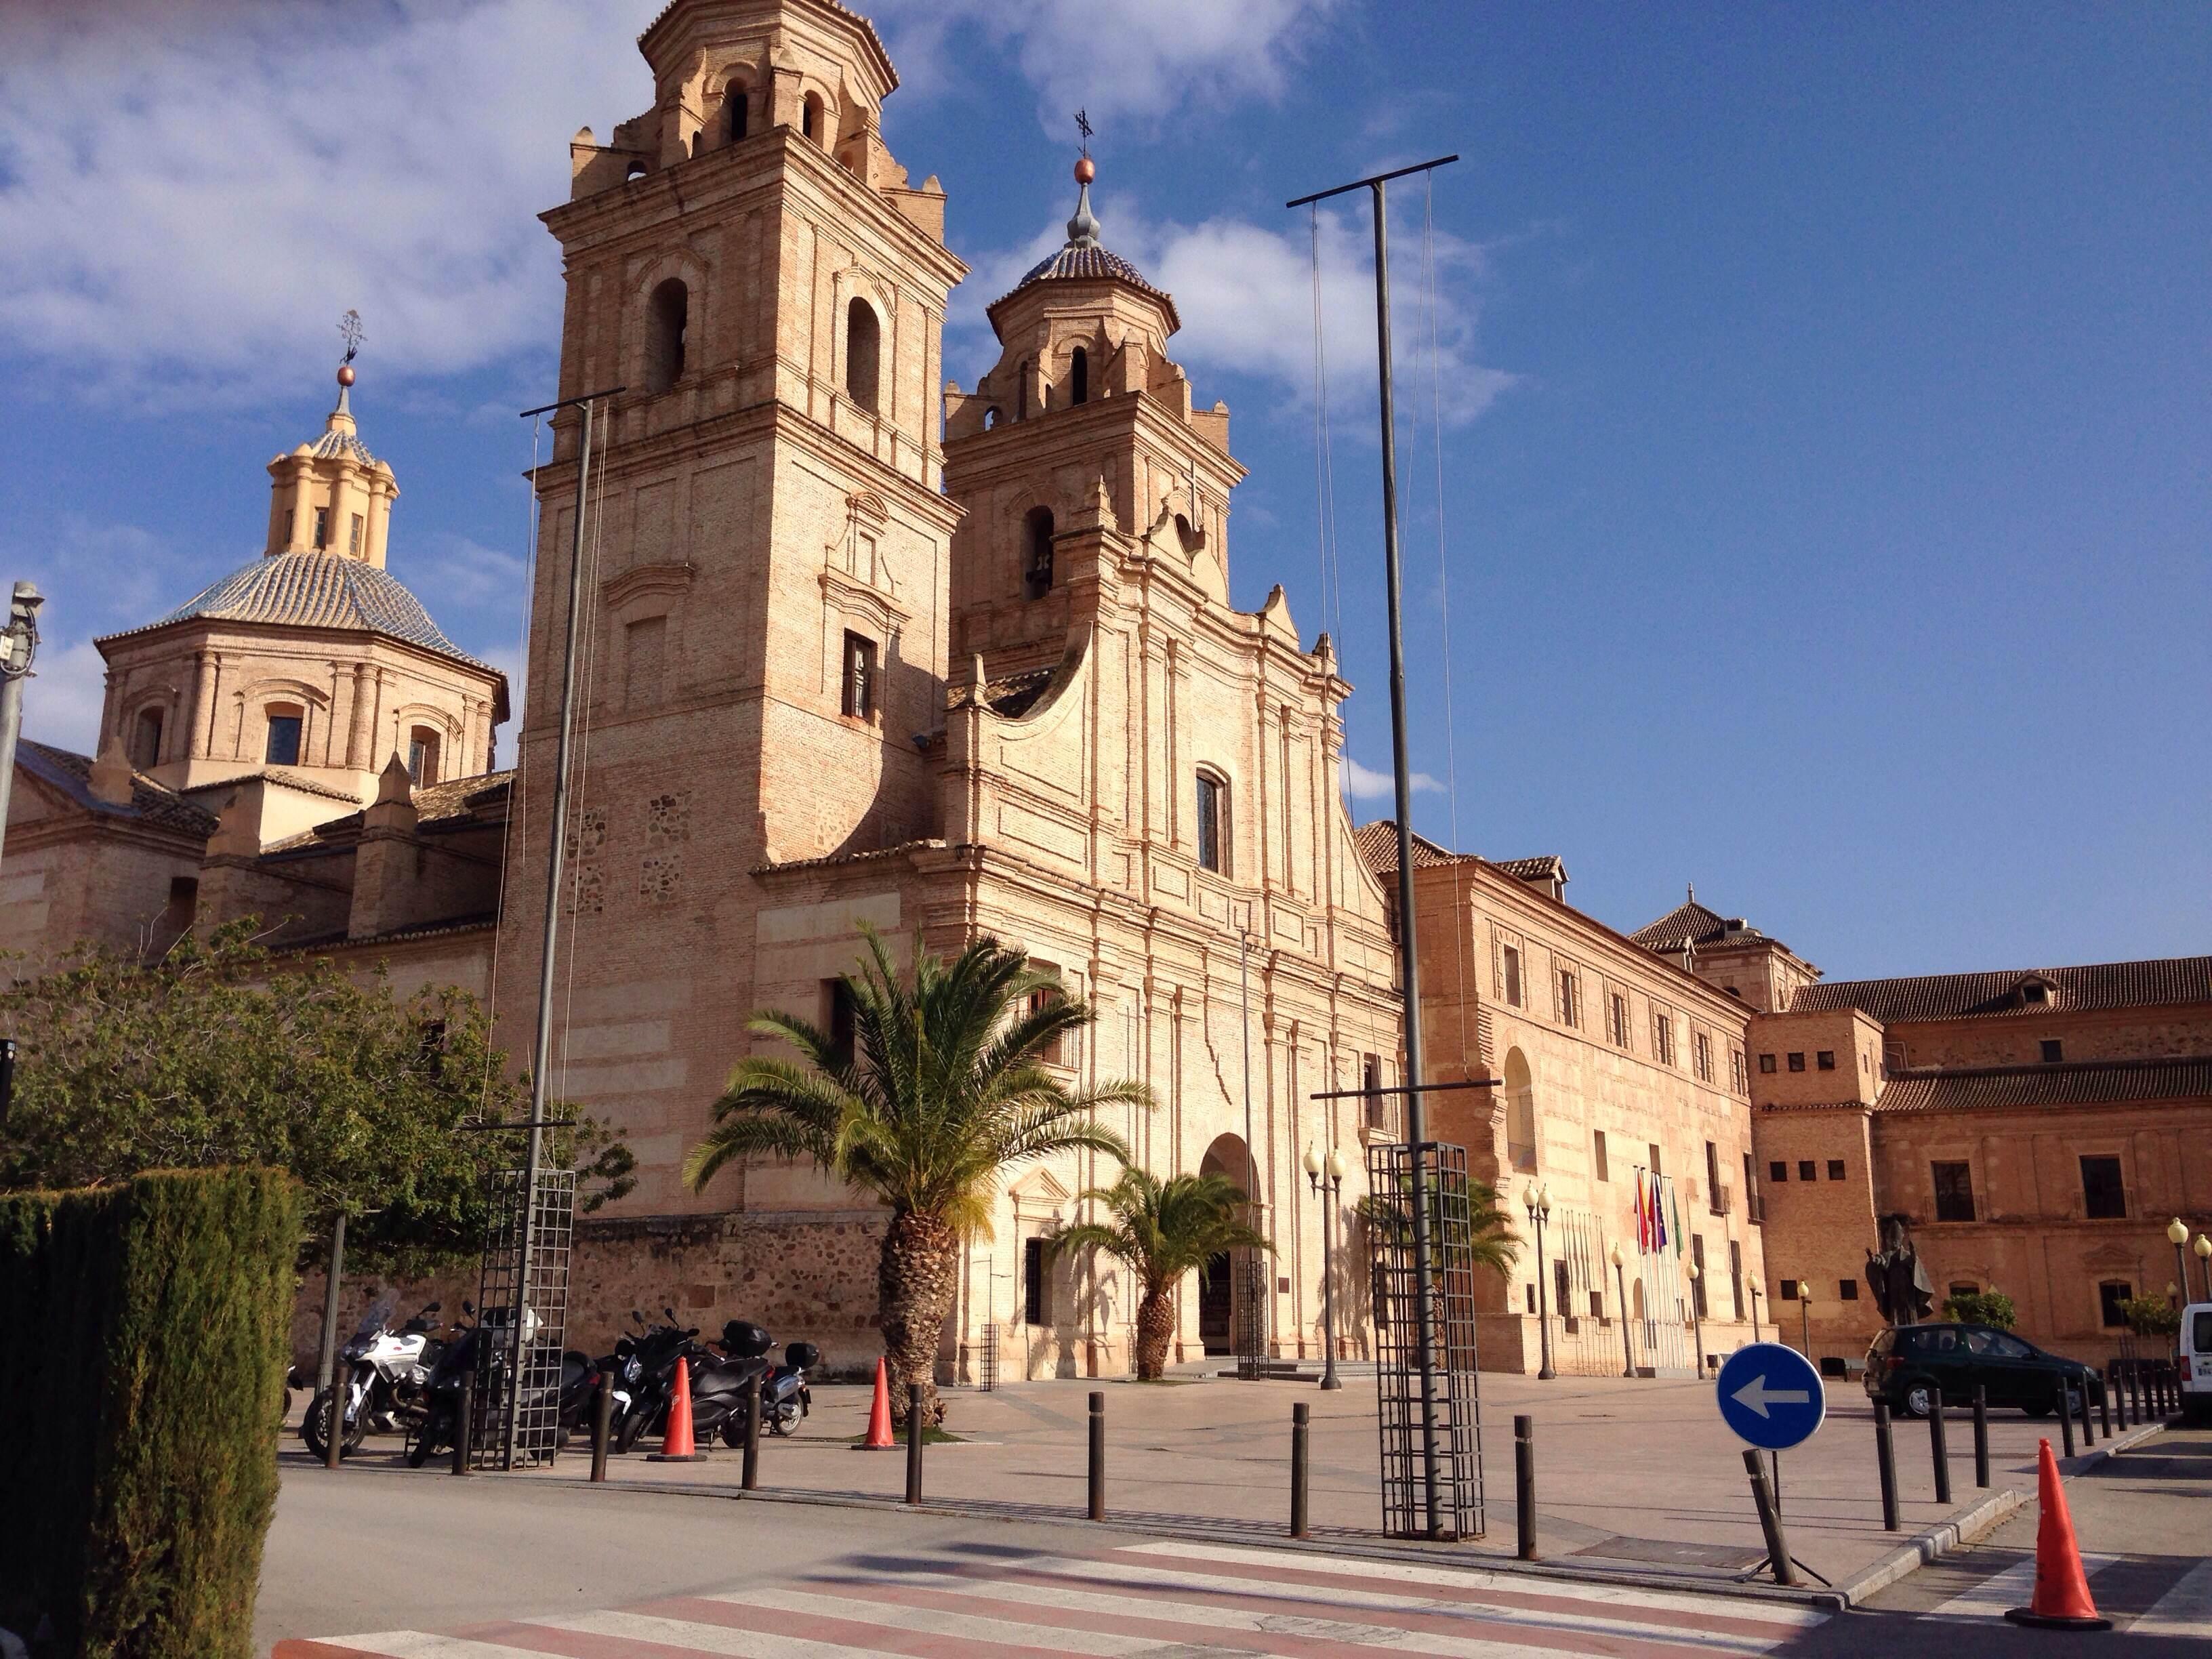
(766, 543)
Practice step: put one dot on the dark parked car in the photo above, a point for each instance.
(1905, 1366)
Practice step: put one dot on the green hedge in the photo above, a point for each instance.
(146, 1325)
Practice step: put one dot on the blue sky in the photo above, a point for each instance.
(1826, 392)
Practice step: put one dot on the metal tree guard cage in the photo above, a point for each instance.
(517, 1427)
(1392, 1170)
(1252, 1316)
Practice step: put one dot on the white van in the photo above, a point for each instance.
(2194, 1344)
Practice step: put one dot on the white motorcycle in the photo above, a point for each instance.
(384, 1376)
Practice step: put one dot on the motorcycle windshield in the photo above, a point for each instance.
(379, 1315)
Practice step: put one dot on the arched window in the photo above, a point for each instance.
(990, 417)
(1519, 1112)
(637, 168)
(863, 348)
(145, 740)
(667, 318)
(282, 747)
(422, 756)
(1036, 553)
(1213, 823)
(1078, 376)
(810, 117)
(737, 111)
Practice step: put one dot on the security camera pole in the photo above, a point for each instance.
(18, 644)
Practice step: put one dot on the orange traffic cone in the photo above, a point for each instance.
(880, 1416)
(676, 1445)
(2061, 1601)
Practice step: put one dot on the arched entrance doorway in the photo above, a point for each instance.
(1221, 1280)
(1520, 1114)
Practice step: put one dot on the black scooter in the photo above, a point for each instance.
(784, 1398)
(482, 1348)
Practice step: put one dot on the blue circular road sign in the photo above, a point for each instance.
(1770, 1396)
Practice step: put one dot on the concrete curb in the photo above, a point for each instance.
(1933, 1544)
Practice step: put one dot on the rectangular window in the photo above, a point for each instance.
(2053, 1051)
(859, 700)
(1561, 1289)
(1736, 1279)
(1713, 1169)
(645, 662)
(1210, 791)
(1370, 1081)
(1736, 1079)
(1653, 1147)
(1755, 1206)
(1662, 1037)
(1061, 1050)
(1597, 1155)
(839, 997)
(1825, 1060)
(2103, 1198)
(1835, 1168)
(283, 746)
(1808, 1169)
(1570, 998)
(353, 546)
(2109, 1295)
(1617, 1021)
(1702, 1050)
(1777, 1172)
(1788, 1290)
(1767, 1065)
(322, 527)
(1034, 1282)
(1797, 1062)
(1892, 1058)
(1847, 1290)
(1955, 1191)
(1697, 1284)
(1513, 976)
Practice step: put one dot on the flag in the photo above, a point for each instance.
(1643, 1218)
(1658, 1212)
(1674, 1200)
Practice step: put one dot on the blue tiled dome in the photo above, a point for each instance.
(318, 590)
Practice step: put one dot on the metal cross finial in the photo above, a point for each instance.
(1083, 126)
(349, 330)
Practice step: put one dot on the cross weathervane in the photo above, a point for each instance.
(349, 330)
(1083, 126)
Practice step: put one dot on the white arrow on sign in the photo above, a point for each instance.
(1757, 1396)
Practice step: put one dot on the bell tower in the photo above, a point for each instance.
(767, 541)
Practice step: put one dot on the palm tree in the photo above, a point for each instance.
(1491, 1238)
(942, 1088)
(1161, 1230)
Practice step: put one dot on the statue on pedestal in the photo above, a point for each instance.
(1895, 1276)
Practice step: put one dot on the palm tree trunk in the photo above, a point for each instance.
(916, 1279)
(1155, 1325)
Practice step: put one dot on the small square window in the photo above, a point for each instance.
(1847, 1290)
(2053, 1051)
(1766, 1064)
(1797, 1062)
(1808, 1169)
(1777, 1172)
(1788, 1290)
(1835, 1168)
(1825, 1060)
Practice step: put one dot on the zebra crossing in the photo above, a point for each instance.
(2145, 1595)
(1187, 1599)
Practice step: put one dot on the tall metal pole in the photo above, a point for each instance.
(1254, 1320)
(542, 1050)
(17, 646)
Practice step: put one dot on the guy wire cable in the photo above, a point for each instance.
(589, 593)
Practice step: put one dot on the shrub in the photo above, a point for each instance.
(1981, 1308)
(141, 1425)
(2151, 1315)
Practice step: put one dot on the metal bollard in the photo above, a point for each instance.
(1938, 1451)
(2065, 1417)
(1770, 1519)
(1524, 1485)
(2135, 1391)
(749, 1481)
(1885, 1459)
(602, 1425)
(1299, 1417)
(2104, 1407)
(1098, 1456)
(1981, 1436)
(2088, 1434)
(465, 1422)
(914, 1433)
(334, 1425)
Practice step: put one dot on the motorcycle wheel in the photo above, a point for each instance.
(782, 1422)
(632, 1431)
(314, 1428)
(733, 1432)
(422, 1449)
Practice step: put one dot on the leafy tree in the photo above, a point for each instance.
(221, 1052)
(943, 1089)
(1492, 1240)
(2151, 1315)
(1981, 1308)
(1160, 1231)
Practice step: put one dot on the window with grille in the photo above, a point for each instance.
(1035, 1284)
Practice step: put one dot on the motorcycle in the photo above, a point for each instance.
(786, 1400)
(643, 1367)
(382, 1376)
(482, 1349)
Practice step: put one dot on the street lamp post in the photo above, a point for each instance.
(1620, 1277)
(1754, 1312)
(2203, 1249)
(1697, 1322)
(2177, 1234)
(1331, 1193)
(1540, 1209)
(1805, 1317)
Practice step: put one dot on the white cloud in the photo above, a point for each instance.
(1362, 784)
(1138, 59)
(1245, 294)
(62, 698)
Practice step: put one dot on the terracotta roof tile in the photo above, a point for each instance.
(150, 802)
(1378, 849)
(2010, 992)
(2073, 1082)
